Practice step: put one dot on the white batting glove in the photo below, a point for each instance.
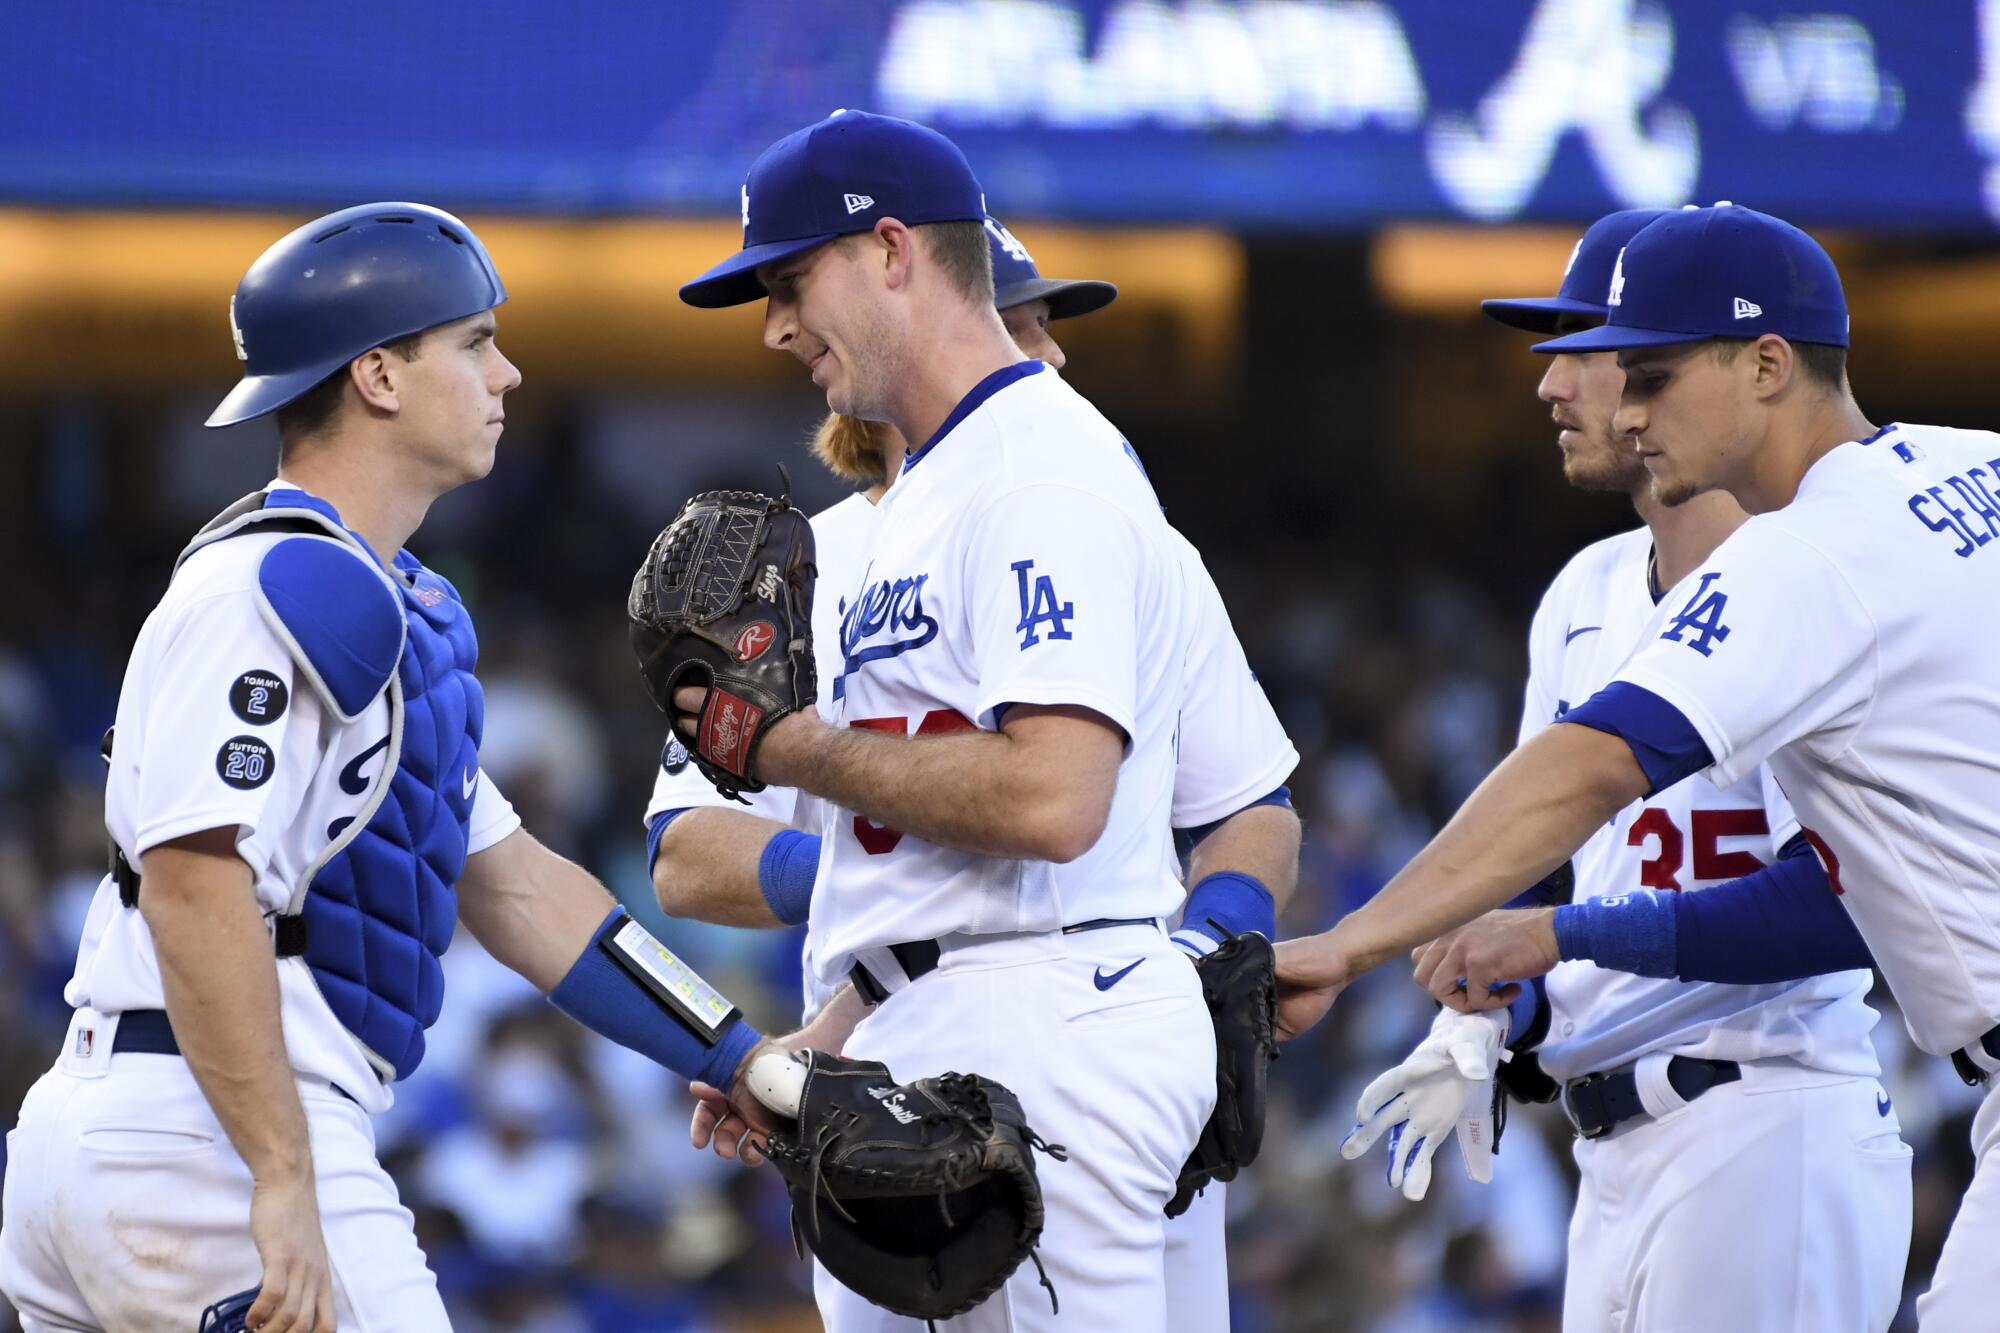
(1445, 1084)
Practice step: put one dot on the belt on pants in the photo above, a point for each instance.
(920, 957)
(1598, 1103)
(1970, 1069)
(147, 1032)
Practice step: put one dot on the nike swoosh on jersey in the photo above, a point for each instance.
(1106, 983)
(351, 780)
(1579, 630)
(471, 781)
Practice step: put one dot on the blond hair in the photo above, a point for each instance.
(851, 449)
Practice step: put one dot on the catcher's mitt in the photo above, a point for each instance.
(1239, 979)
(921, 1198)
(724, 600)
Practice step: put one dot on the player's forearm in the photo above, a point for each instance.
(219, 978)
(1261, 842)
(1528, 816)
(707, 868)
(1040, 789)
(532, 910)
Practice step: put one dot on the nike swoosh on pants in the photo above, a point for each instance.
(1106, 983)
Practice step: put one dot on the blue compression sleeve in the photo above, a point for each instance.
(1664, 742)
(1783, 923)
(786, 872)
(1224, 904)
(629, 987)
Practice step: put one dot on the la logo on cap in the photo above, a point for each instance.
(1617, 294)
(857, 202)
(1747, 309)
(1007, 240)
(746, 206)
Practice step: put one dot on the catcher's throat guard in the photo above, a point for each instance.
(723, 601)
(919, 1197)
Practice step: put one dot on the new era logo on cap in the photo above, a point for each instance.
(1747, 309)
(857, 202)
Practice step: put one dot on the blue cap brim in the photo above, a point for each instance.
(1539, 314)
(1067, 297)
(1618, 337)
(734, 280)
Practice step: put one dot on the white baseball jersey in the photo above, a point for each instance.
(1693, 836)
(1849, 641)
(1021, 558)
(840, 536)
(1232, 747)
(215, 729)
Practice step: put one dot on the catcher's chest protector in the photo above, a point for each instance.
(381, 904)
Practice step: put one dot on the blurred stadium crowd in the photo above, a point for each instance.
(549, 1170)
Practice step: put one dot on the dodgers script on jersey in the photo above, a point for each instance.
(216, 729)
(1848, 640)
(1021, 558)
(1692, 836)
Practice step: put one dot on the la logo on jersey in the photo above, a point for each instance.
(1040, 607)
(1701, 617)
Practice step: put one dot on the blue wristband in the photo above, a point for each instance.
(786, 872)
(606, 997)
(1228, 903)
(1632, 932)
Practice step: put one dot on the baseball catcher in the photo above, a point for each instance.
(920, 1197)
(724, 601)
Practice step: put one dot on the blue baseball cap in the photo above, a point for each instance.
(1586, 278)
(832, 179)
(1721, 272)
(1016, 280)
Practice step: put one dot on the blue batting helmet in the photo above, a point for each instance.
(343, 284)
(230, 1314)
